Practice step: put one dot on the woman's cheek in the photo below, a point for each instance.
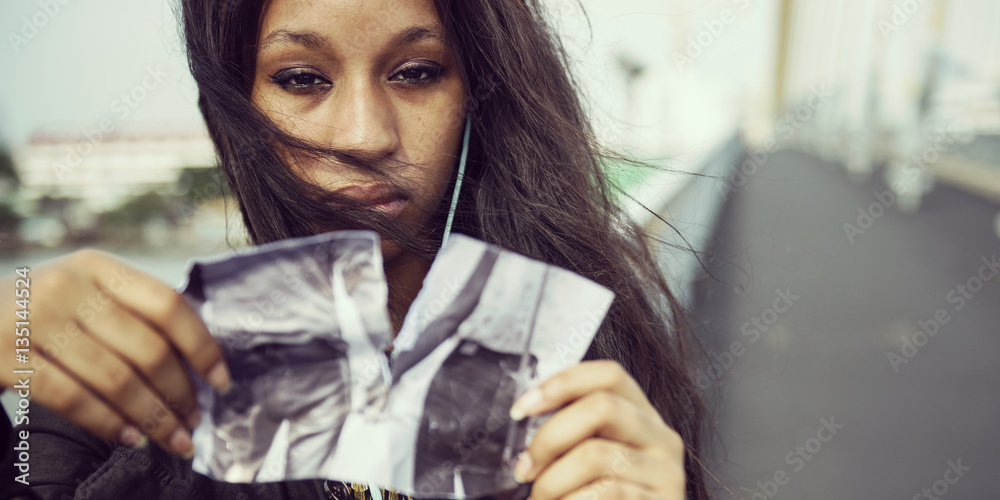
(434, 196)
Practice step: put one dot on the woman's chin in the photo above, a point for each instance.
(391, 250)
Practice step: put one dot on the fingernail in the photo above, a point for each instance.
(526, 403)
(523, 468)
(180, 442)
(218, 376)
(194, 418)
(131, 437)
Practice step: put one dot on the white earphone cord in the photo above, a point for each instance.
(458, 181)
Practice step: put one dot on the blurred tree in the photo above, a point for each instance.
(7, 171)
(10, 220)
(197, 185)
(138, 210)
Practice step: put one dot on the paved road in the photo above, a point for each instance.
(813, 407)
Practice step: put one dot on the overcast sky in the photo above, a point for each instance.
(69, 74)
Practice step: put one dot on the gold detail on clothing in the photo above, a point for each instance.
(359, 491)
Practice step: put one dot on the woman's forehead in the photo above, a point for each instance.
(313, 23)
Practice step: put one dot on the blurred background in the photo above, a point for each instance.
(834, 166)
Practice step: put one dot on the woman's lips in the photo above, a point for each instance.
(381, 197)
(392, 208)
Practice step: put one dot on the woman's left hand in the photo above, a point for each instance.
(605, 441)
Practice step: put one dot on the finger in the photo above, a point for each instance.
(114, 381)
(166, 311)
(134, 341)
(614, 490)
(576, 381)
(598, 414)
(602, 459)
(60, 392)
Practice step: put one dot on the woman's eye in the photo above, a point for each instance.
(299, 80)
(417, 74)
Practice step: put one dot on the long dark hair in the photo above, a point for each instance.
(535, 182)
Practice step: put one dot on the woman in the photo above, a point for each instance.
(332, 114)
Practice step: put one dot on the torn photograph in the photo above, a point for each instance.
(321, 389)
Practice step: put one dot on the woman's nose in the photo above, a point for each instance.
(363, 122)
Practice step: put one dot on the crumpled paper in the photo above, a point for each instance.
(305, 330)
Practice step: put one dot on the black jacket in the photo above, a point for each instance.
(69, 463)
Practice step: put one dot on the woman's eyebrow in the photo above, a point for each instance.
(308, 39)
(314, 40)
(414, 34)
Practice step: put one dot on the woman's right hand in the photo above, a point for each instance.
(106, 344)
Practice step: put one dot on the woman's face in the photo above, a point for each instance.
(373, 77)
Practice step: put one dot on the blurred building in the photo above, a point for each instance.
(72, 184)
(102, 170)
